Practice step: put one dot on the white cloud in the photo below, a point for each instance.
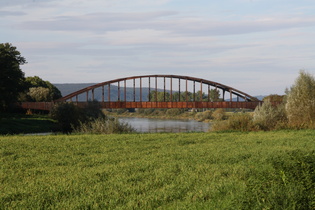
(98, 40)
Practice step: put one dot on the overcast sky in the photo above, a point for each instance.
(256, 46)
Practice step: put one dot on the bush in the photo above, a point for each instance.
(104, 126)
(219, 114)
(174, 112)
(148, 111)
(69, 116)
(202, 116)
(240, 122)
(236, 122)
(268, 116)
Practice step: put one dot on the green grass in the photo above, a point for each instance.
(258, 170)
(20, 123)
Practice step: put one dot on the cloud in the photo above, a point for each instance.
(24, 3)
(166, 21)
(245, 44)
(9, 13)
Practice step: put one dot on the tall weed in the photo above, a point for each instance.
(236, 122)
(103, 126)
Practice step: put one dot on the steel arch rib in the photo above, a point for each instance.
(204, 81)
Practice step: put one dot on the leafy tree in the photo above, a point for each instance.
(159, 96)
(11, 76)
(198, 98)
(300, 105)
(214, 95)
(39, 94)
(36, 86)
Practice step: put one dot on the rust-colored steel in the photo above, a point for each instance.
(140, 89)
(123, 105)
(125, 90)
(249, 103)
(224, 88)
(149, 88)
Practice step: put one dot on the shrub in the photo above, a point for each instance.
(69, 116)
(202, 116)
(148, 111)
(219, 114)
(104, 126)
(174, 112)
(268, 116)
(236, 122)
(240, 122)
(92, 111)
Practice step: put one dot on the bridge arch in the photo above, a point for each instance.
(202, 82)
(171, 85)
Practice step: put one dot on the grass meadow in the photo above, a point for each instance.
(231, 170)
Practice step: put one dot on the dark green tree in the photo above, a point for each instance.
(11, 76)
(39, 90)
(214, 95)
(159, 96)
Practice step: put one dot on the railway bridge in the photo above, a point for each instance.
(156, 91)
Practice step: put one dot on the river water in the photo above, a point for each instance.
(146, 125)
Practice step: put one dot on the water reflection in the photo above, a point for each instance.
(145, 125)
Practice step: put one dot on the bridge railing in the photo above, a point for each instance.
(45, 106)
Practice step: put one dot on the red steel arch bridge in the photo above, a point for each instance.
(166, 91)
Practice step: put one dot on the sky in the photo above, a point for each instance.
(256, 46)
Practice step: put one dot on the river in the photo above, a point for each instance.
(149, 125)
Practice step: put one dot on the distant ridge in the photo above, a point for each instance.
(68, 88)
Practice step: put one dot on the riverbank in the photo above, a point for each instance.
(23, 124)
(256, 170)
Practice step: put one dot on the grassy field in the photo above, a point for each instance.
(257, 170)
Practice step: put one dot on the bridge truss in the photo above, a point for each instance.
(175, 89)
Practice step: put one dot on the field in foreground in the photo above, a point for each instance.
(262, 170)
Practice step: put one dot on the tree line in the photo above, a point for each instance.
(14, 86)
(213, 95)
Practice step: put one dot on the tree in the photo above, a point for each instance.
(159, 96)
(39, 90)
(11, 76)
(300, 105)
(214, 95)
(39, 94)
